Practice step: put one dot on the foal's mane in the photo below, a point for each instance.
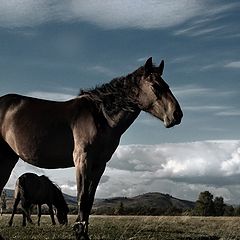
(116, 95)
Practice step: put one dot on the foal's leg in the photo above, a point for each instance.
(39, 213)
(26, 212)
(51, 213)
(24, 222)
(16, 201)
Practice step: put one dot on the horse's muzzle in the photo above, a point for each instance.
(177, 118)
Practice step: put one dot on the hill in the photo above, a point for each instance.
(145, 204)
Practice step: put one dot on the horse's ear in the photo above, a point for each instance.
(148, 66)
(161, 67)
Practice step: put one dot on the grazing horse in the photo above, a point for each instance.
(83, 132)
(33, 189)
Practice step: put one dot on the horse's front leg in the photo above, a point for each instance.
(97, 172)
(51, 213)
(83, 170)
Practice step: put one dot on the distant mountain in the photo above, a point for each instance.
(149, 203)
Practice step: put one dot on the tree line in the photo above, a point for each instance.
(207, 206)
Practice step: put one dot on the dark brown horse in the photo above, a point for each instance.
(83, 132)
(33, 189)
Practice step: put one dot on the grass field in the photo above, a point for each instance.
(132, 228)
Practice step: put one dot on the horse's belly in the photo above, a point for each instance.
(50, 161)
(47, 151)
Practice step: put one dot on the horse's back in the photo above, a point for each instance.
(34, 188)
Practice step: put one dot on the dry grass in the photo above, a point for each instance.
(130, 227)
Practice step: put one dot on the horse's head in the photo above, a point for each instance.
(155, 96)
(62, 216)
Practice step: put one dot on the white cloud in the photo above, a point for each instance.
(17, 13)
(229, 113)
(205, 108)
(235, 64)
(191, 90)
(51, 95)
(194, 91)
(180, 169)
(205, 24)
(108, 14)
(138, 13)
(103, 70)
(232, 166)
(195, 31)
(182, 59)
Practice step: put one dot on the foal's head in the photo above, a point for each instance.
(155, 96)
(61, 205)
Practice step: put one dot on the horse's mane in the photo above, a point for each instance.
(117, 94)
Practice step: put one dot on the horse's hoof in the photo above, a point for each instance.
(80, 233)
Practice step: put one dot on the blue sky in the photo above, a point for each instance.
(51, 49)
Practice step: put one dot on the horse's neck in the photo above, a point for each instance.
(124, 119)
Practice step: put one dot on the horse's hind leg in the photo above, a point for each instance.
(8, 159)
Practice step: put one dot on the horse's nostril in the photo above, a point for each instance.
(178, 115)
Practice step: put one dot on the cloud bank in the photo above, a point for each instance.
(110, 14)
(180, 169)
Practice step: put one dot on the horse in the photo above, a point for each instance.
(33, 189)
(83, 132)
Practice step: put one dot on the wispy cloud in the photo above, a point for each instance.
(191, 90)
(230, 113)
(206, 31)
(195, 31)
(205, 108)
(108, 14)
(206, 23)
(211, 66)
(221, 64)
(181, 59)
(235, 64)
(142, 59)
(56, 96)
(103, 70)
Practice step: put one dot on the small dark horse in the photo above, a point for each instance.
(33, 189)
(83, 132)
